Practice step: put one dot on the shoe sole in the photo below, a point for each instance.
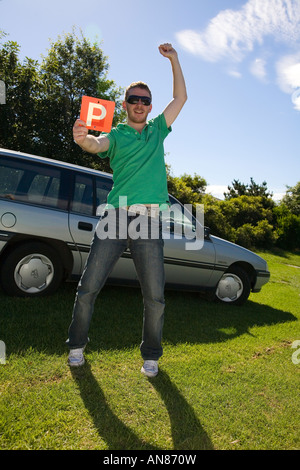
(76, 364)
(148, 374)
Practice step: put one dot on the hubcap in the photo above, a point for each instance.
(34, 273)
(230, 288)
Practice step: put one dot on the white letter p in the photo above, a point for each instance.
(91, 116)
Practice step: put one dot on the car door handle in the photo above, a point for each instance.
(85, 226)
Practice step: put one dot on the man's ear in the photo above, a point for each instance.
(124, 105)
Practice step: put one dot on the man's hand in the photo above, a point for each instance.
(89, 142)
(167, 50)
(79, 131)
(179, 90)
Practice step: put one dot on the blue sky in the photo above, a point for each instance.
(241, 61)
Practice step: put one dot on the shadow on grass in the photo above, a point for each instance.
(42, 323)
(207, 322)
(187, 432)
(188, 319)
(110, 428)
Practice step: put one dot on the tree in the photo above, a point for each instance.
(243, 220)
(237, 189)
(73, 68)
(261, 235)
(241, 189)
(186, 188)
(18, 117)
(287, 219)
(246, 210)
(216, 219)
(292, 199)
(196, 183)
(287, 228)
(43, 100)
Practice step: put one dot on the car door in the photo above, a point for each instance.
(89, 192)
(184, 265)
(33, 199)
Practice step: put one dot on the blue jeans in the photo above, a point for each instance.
(147, 254)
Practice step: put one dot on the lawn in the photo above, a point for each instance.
(227, 379)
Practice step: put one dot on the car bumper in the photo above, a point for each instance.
(262, 277)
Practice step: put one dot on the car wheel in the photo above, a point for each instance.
(234, 287)
(33, 269)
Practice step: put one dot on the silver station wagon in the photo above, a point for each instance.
(48, 214)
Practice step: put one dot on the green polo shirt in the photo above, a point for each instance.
(138, 163)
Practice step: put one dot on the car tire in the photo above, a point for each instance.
(31, 270)
(234, 287)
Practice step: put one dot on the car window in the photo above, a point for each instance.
(44, 189)
(24, 181)
(9, 180)
(83, 196)
(176, 220)
(83, 201)
(103, 187)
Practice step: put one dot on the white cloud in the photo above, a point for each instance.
(288, 77)
(219, 190)
(234, 73)
(288, 72)
(216, 190)
(296, 99)
(278, 196)
(232, 34)
(258, 69)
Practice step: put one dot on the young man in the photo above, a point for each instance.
(136, 155)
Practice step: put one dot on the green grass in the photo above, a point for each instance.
(226, 381)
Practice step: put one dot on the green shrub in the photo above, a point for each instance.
(287, 228)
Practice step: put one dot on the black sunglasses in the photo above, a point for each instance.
(134, 99)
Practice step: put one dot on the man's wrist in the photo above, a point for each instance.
(174, 59)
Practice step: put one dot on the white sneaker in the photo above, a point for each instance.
(76, 357)
(150, 368)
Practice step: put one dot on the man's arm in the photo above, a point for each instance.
(179, 89)
(88, 142)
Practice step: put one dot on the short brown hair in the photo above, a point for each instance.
(142, 85)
